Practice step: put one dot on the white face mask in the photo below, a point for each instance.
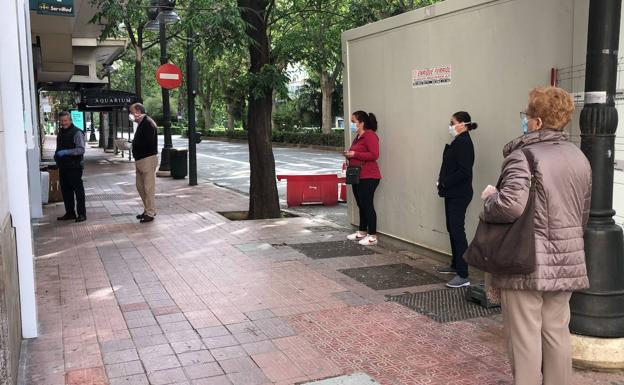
(131, 117)
(452, 131)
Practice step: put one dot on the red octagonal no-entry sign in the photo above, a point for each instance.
(169, 76)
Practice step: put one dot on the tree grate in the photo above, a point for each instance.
(333, 249)
(447, 305)
(393, 276)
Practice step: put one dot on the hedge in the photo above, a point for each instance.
(307, 137)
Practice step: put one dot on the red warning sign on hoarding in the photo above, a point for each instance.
(169, 76)
(431, 76)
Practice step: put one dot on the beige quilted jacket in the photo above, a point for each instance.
(561, 209)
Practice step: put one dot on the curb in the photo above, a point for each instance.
(278, 144)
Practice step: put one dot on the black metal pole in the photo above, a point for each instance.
(101, 140)
(190, 90)
(111, 130)
(599, 310)
(92, 137)
(116, 129)
(165, 164)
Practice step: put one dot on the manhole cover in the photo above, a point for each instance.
(321, 229)
(447, 305)
(394, 276)
(334, 249)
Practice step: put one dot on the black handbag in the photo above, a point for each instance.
(507, 248)
(352, 174)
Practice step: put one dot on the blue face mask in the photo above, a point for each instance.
(524, 123)
(353, 127)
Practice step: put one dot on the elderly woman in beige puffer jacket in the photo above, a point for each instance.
(536, 308)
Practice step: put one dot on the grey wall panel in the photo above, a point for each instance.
(498, 51)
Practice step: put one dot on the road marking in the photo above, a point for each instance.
(225, 159)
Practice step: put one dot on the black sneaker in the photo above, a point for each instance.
(81, 218)
(445, 270)
(140, 216)
(66, 217)
(146, 218)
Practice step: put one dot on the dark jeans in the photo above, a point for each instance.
(364, 193)
(455, 209)
(71, 183)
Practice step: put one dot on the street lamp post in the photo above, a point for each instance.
(190, 91)
(598, 311)
(161, 13)
(92, 137)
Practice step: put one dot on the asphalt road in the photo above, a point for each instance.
(227, 164)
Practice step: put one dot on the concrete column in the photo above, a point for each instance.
(12, 96)
(30, 112)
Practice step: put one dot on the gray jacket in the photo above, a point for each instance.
(561, 209)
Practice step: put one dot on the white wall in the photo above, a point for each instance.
(15, 117)
(498, 51)
(30, 118)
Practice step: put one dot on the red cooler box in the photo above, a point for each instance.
(311, 189)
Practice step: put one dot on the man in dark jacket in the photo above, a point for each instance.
(145, 152)
(70, 148)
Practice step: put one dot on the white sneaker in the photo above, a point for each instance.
(369, 240)
(356, 236)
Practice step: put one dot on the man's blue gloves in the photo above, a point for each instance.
(62, 153)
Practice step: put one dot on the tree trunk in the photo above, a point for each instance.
(206, 106)
(327, 91)
(205, 97)
(138, 62)
(273, 108)
(229, 108)
(263, 197)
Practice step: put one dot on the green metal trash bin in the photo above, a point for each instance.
(178, 161)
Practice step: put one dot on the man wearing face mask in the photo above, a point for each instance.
(145, 152)
(455, 186)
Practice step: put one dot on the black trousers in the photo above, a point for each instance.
(364, 194)
(71, 183)
(455, 209)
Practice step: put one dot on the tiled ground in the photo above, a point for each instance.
(192, 298)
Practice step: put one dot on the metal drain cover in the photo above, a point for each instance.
(321, 229)
(334, 249)
(110, 197)
(447, 305)
(351, 379)
(394, 276)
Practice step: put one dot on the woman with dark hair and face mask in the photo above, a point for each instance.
(455, 186)
(364, 153)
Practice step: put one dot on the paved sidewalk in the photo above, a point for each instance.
(193, 298)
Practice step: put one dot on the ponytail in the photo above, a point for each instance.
(372, 121)
(369, 119)
(464, 117)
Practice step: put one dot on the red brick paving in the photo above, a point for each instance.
(192, 298)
